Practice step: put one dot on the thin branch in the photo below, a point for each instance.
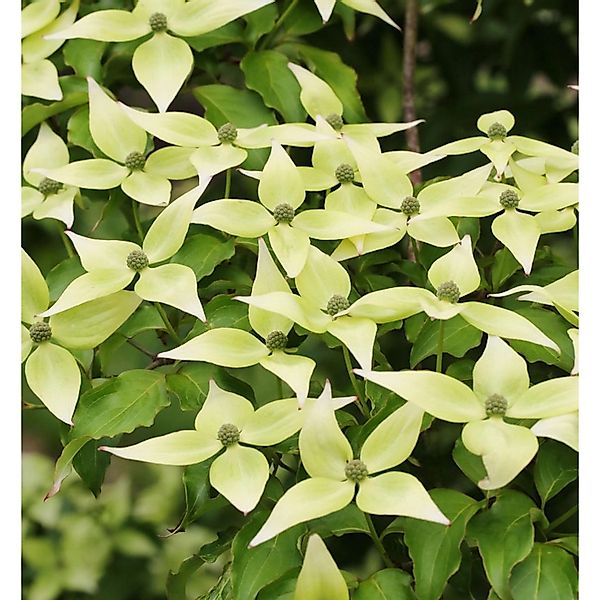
(411, 20)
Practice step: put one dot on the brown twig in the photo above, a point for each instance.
(411, 19)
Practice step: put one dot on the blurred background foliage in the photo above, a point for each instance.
(519, 54)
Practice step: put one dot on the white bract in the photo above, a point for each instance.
(111, 265)
(500, 389)
(162, 63)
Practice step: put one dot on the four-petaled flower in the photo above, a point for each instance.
(500, 389)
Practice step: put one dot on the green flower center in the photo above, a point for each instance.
(48, 187)
(448, 291)
(356, 470)
(137, 260)
(158, 22)
(276, 340)
(227, 133)
(509, 199)
(575, 147)
(344, 173)
(284, 213)
(337, 304)
(135, 161)
(496, 405)
(40, 332)
(335, 121)
(410, 206)
(228, 434)
(496, 131)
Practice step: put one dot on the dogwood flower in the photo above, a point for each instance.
(324, 286)
(500, 389)
(143, 178)
(370, 7)
(498, 146)
(50, 369)
(43, 197)
(226, 422)
(453, 276)
(39, 77)
(162, 63)
(334, 474)
(319, 576)
(281, 192)
(228, 347)
(563, 294)
(517, 230)
(212, 150)
(111, 265)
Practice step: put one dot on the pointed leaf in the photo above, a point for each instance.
(106, 26)
(459, 266)
(34, 291)
(290, 246)
(549, 398)
(295, 370)
(147, 188)
(92, 174)
(564, 428)
(280, 181)
(316, 95)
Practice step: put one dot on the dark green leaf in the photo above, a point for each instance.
(389, 584)
(64, 464)
(459, 338)
(282, 589)
(504, 536)
(62, 275)
(435, 549)
(121, 404)
(555, 468)
(569, 543)
(91, 465)
(470, 464)
(196, 490)
(203, 252)
(210, 552)
(347, 520)
(504, 266)
(259, 22)
(78, 131)
(74, 94)
(177, 582)
(85, 57)
(461, 369)
(228, 34)
(267, 73)
(145, 318)
(254, 568)
(548, 573)
(224, 104)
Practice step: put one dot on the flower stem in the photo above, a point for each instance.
(364, 409)
(378, 544)
(136, 220)
(66, 242)
(564, 517)
(266, 41)
(440, 351)
(169, 327)
(227, 184)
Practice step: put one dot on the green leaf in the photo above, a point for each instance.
(389, 584)
(548, 573)
(435, 549)
(120, 405)
(555, 327)
(349, 519)
(342, 78)
(504, 266)
(210, 552)
(177, 581)
(555, 467)
(64, 464)
(259, 22)
(470, 464)
(203, 252)
(569, 543)
(78, 131)
(91, 465)
(145, 318)
(85, 57)
(225, 104)
(267, 73)
(254, 568)
(196, 490)
(504, 536)
(74, 94)
(459, 338)
(61, 276)
(228, 34)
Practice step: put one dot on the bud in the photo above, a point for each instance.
(137, 260)
(337, 304)
(509, 199)
(344, 173)
(48, 187)
(227, 133)
(335, 121)
(410, 206)
(276, 340)
(496, 131)
(449, 291)
(496, 405)
(283, 213)
(356, 470)
(228, 434)
(40, 332)
(158, 22)
(135, 161)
